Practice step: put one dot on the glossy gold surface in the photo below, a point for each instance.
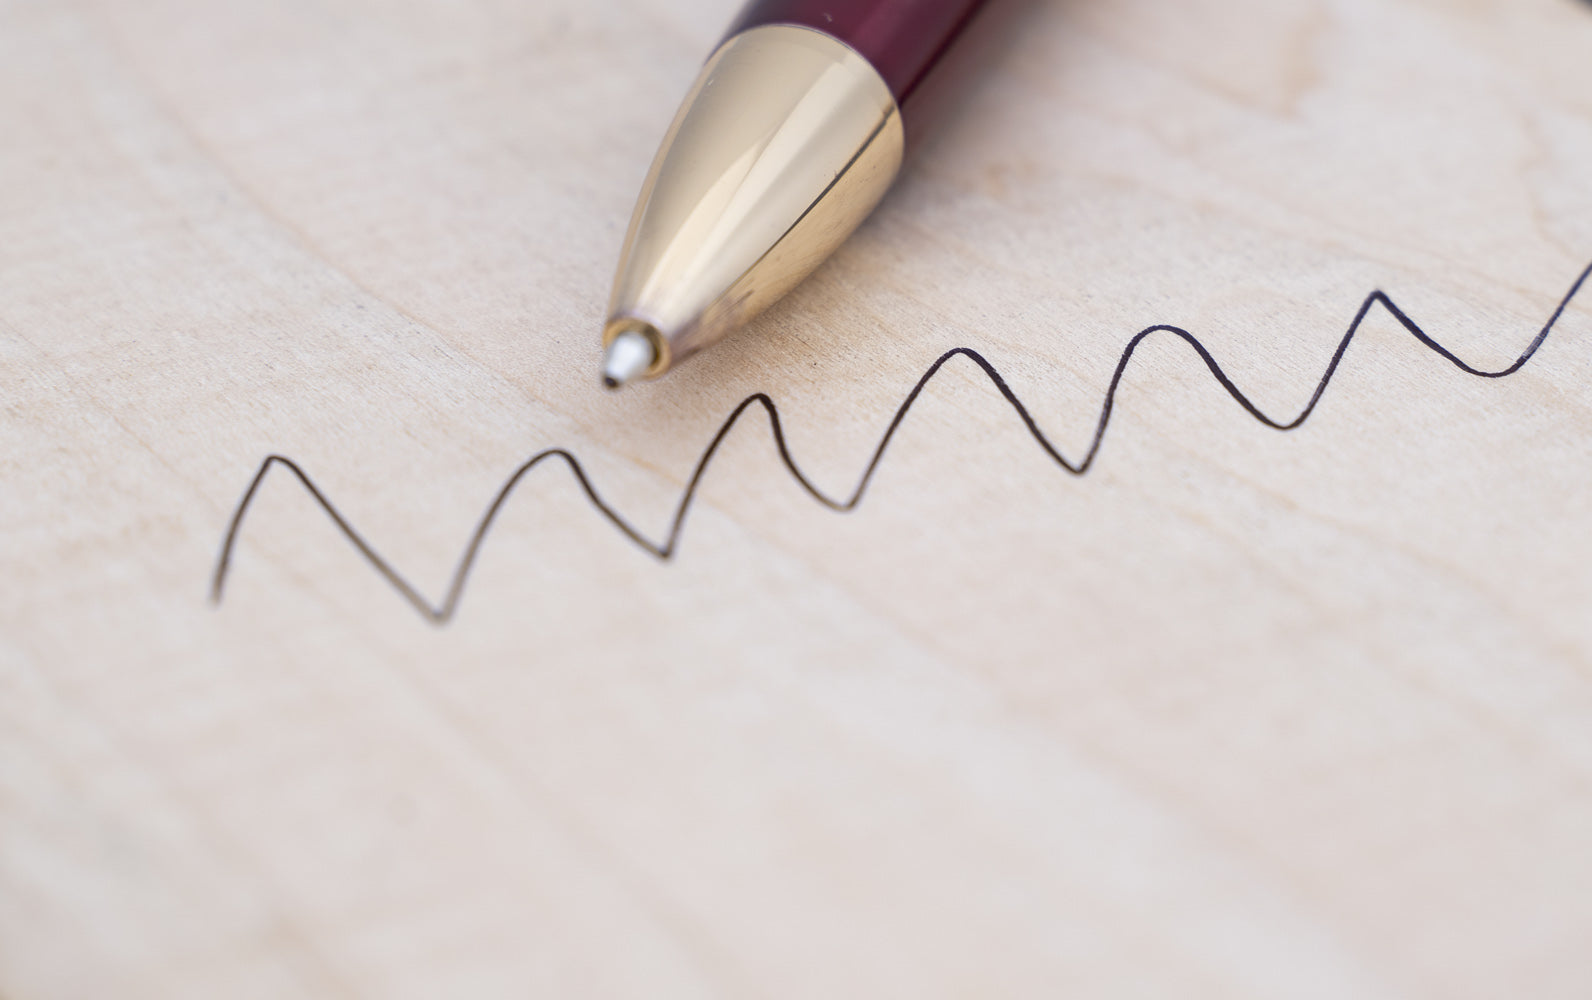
(784, 145)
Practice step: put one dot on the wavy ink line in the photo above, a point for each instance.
(440, 614)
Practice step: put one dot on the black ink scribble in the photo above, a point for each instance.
(440, 614)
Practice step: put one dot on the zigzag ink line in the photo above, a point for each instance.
(440, 614)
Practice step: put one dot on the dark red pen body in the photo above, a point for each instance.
(797, 125)
(924, 49)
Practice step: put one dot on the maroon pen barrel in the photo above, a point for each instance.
(924, 49)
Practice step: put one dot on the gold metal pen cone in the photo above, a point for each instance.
(786, 142)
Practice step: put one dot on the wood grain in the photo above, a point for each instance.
(1240, 713)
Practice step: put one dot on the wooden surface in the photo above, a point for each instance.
(1240, 713)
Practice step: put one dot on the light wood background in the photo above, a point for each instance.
(1239, 714)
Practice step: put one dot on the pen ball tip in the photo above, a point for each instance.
(627, 358)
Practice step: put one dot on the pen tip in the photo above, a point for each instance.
(629, 357)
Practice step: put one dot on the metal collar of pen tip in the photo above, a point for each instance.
(784, 145)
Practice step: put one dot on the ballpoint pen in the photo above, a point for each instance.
(795, 128)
